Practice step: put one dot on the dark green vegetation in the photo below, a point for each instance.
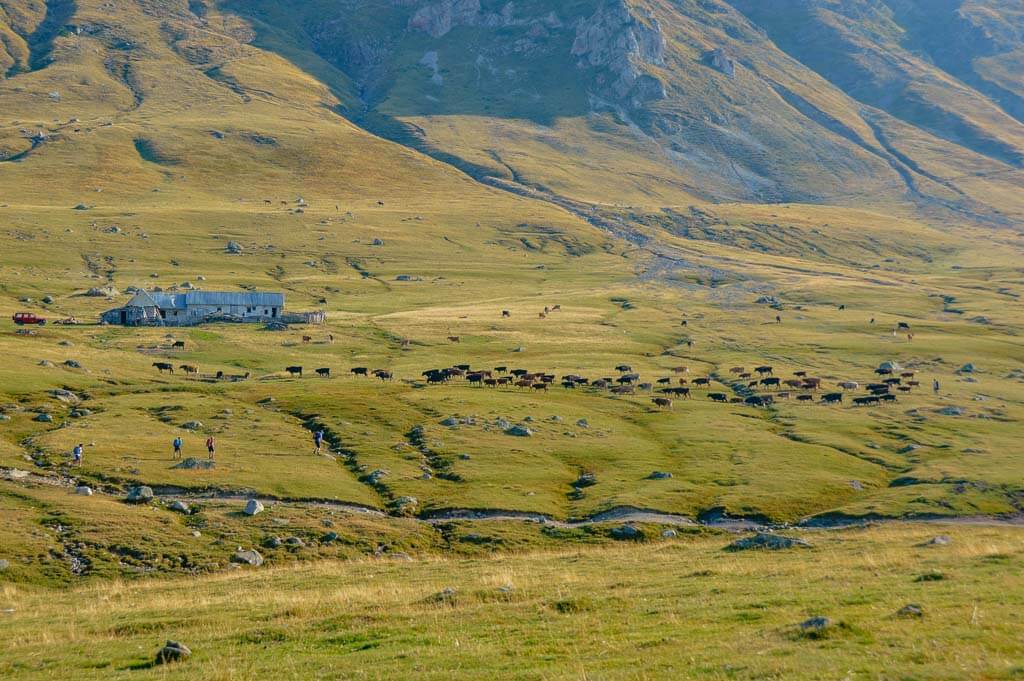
(416, 168)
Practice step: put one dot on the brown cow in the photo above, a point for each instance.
(307, 339)
(454, 339)
(189, 369)
(662, 402)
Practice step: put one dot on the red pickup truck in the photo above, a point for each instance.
(21, 318)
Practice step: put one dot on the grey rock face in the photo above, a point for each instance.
(247, 557)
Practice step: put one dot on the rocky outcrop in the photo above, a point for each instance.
(437, 19)
(621, 43)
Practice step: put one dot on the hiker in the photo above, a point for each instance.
(318, 439)
(935, 386)
(211, 446)
(76, 455)
(177, 447)
(778, 319)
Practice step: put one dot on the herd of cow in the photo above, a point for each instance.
(802, 387)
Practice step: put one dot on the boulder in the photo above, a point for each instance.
(295, 541)
(582, 423)
(180, 507)
(192, 463)
(273, 542)
(815, 626)
(910, 611)
(192, 425)
(951, 411)
(72, 364)
(891, 365)
(140, 495)
(329, 537)
(585, 480)
(43, 418)
(627, 533)
(768, 542)
(66, 396)
(80, 413)
(233, 247)
(247, 557)
(659, 475)
(669, 534)
(519, 431)
(48, 300)
(84, 490)
(940, 540)
(252, 507)
(451, 421)
(173, 651)
(967, 369)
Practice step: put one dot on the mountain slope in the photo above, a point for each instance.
(663, 102)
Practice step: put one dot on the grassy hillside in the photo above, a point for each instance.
(689, 608)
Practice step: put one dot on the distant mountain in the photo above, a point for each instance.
(651, 102)
(841, 101)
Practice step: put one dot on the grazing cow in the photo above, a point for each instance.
(307, 339)
(804, 398)
(907, 374)
(736, 370)
(842, 307)
(702, 381)
(759, 400)
(684, 323)
(164, 366)
(556, 308)
(568, 385)
(752, 384)
(795, 383)
(718, 397)
(800, 374)
(770, 382)
(763, 371)
(903, 326)
(506, 313)
(475, 378)
(501, 370)
(812, 383)
(830, 398)
(439, 377)
(454, 339)
(887, 398)
(542, 315)
(189, 369)
(406, 343)
(524, 384)
(782, 396)
(880, 391)
(664, 381)
(179, 345)
(645, 386)
(861, 401)
(462, 367)
(540, 386)
(519, 372)
(220, 375)
(629, 378)
(904, 388)
(745, 375)
(360, 371)
(683, 381)
(893, 381)
(383, 374)
(296, 370)
(505, 380)
(600, 383)
(623, 368)
(324, 372)
(849, 385)
(680, 370)
(663, 402)
(883, 372)
(623, 390)
(914, 383)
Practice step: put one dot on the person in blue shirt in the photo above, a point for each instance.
(76, 455)
(318, 440)
(177, 447)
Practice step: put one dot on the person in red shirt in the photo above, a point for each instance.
(211, 446)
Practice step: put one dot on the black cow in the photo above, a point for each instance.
(324, 371)
(830, 398)
(294, 370)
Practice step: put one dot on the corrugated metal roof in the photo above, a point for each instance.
(181, 301)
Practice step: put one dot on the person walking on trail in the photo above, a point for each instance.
(76, 455)
(211, 446)
(935, 386)
(177, 447)
(318, 441)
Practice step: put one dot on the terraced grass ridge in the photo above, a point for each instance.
(636, 203)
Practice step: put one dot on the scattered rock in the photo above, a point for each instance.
(519, 431)
(669, 534)
(329, 538)
(192, 425)
(908, 449)
(940, 540)
(585, 480)
(378, 242)
(272, 542)
(951, 411)
(4, 564)
(627, 533)
(932, 576)
(295, 541)
(45, 363)
(72, 364)
(66, 396)
(173, 651)
(102, 292)
(967, 369)
(84, 490)
(659, 475)
(816, 627)
(769, 542)
(140, 495)
(248, 557)
(445, 596)
(406, 505)
(192, 463)
(43, 418)
(233, 247)
(180, 507)
(48, 300)
(252, 507)
(857, 485)
(891, 365)
(450, 422)
(582, 423)
(910, 611)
